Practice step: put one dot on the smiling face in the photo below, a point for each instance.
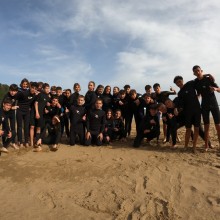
(98, 104)
(7, 107)
(198, 72)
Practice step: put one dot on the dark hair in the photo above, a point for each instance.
(34, 84)
(122, 92)
(81, 96)
(7, 100)
(195, 67)
(98, 99)
(176, 78)
(58, 88)
(55, 97)
(126, 87)
(68, 90)
(147, 94)
(106, 88)
(110, 110)
(45, 85)
(13, 87)
(147, 87)
(156, 85)
(23, 81)
(133, 91)
(75, 85)
(53, 88)
(153, 106)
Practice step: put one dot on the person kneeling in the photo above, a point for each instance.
(149, 127)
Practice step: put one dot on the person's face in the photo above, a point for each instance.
(59, 92)
(198, 72)
(53, 92)
(169, 104)
(98, 104)
(122, 96)
(91, 86)
(147, 99)
(134, 95)
(115, 90)
(13, 93)
(33, 90)
(100, 90)
(153, 112)
(24, 85)
(157, 89)
(77, 88)
(179, 83)
(7, 107)
(117, 114)
(108, 90)
(109, 114)
(47, 89)
(162, 109)
(128, 90)
(68, 94)
(80, 101)
(149, 90)
(54, 102)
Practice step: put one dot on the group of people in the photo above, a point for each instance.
(36, 114)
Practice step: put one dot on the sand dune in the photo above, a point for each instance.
(110, 182)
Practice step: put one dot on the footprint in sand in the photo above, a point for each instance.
(215, 202)
(47, 199)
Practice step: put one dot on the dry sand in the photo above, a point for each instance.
(110, 182)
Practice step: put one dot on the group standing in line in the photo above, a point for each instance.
(36, 114)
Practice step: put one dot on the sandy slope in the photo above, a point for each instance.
(111, 182)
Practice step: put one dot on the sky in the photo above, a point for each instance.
(112, 42)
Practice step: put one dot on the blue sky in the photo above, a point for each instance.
(111, 42)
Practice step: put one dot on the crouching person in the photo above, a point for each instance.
(51, 134)
(5, 131)
(149, 127)
(95, 124)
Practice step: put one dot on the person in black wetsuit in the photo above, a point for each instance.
(74, 96)
(13, 90)
(160, 97)
(109, 127)
(188, 101)
(37, 116)
(95, 124)
(149, 127)
(53, 109)
(205, 86)
(119, 127)
(77, 115)
(26, 99)
(51, 134)
(67, 105)
(5, 132)
(107, 99)
(115, 97)
(90, 97)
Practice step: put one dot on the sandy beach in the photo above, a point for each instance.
(111, 182)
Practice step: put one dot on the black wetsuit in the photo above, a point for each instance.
(77, 124)
(120, 133)
(146, 124)
(107, 101)
(25, 102)
(11, 113)
(188, 100)
(90, 99)
(51, 134)
(209, 101)
(42, 99)
(6, 128)
(95, 124)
